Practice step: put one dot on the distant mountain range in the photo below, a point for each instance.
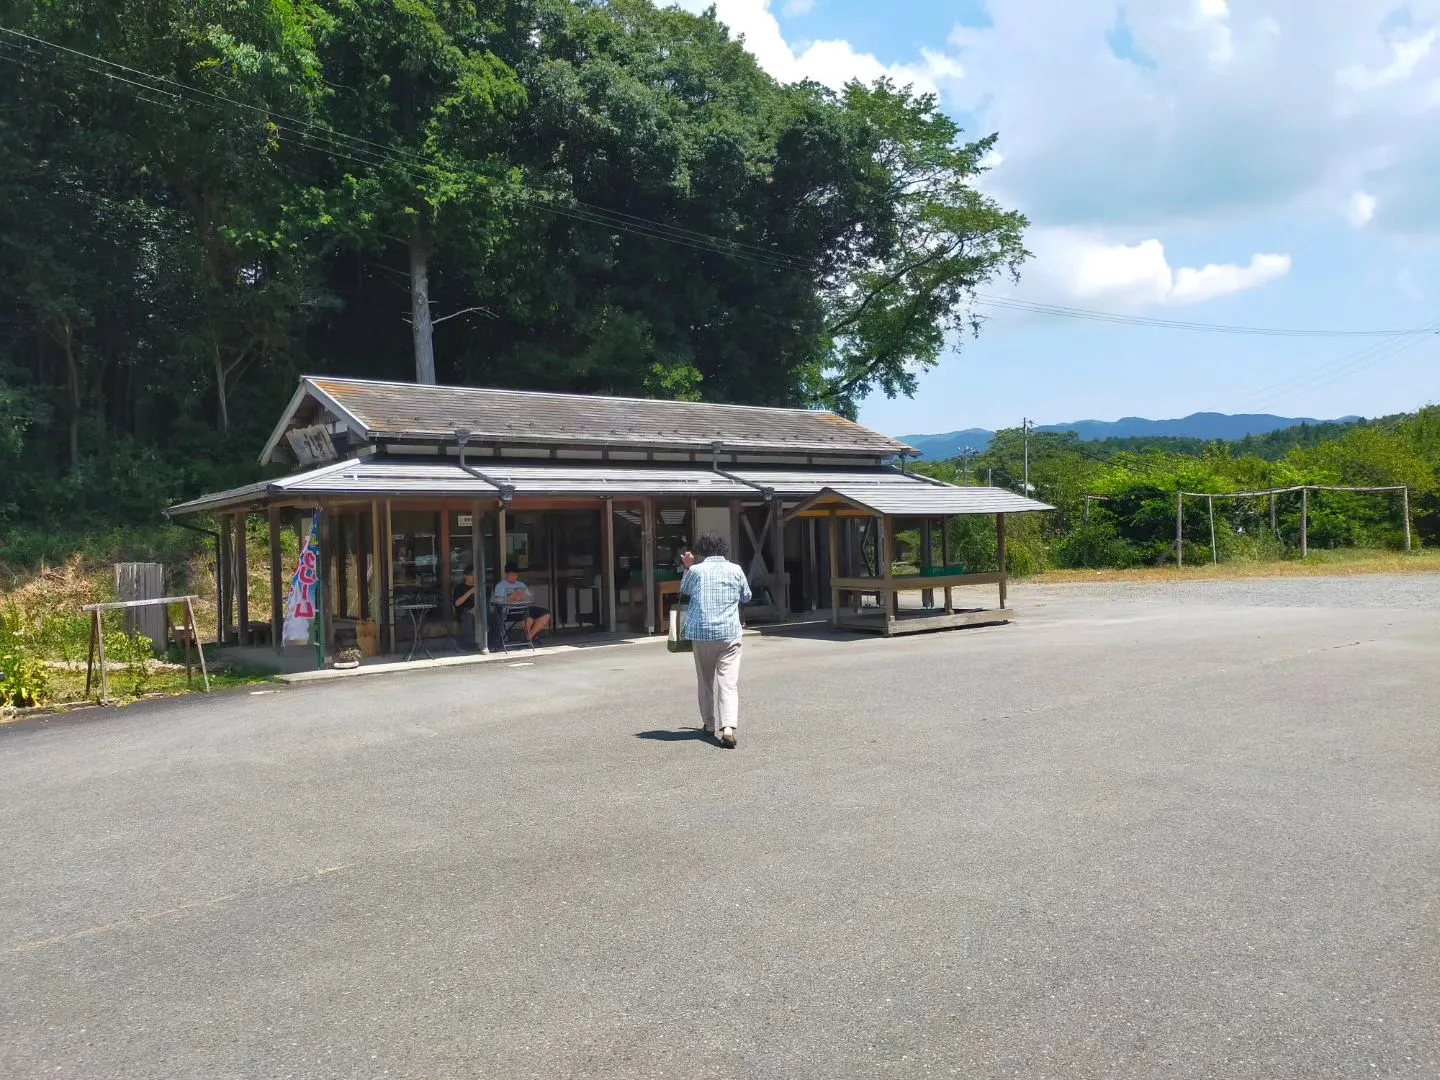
(1201, 425)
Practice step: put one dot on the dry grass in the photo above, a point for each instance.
(1342, 563)
(59, 588)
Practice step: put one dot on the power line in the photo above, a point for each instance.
(1341, 368)
(1116, 318)
(376, 155)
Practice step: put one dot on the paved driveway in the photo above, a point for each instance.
(1137, 834)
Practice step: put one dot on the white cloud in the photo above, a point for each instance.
(1362, 209)
(1212, 280)
(1215, 112)
(797, 8)
(1406, 55)
(1084, 267)
(832, 63)
(1215, 15)
(1237, 109)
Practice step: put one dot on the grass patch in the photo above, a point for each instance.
(1340, 562)
(127, 686)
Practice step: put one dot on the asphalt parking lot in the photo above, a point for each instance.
(1176, 832)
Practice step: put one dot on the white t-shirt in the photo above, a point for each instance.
(504, 590)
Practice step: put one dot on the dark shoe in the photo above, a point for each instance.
(728, 738)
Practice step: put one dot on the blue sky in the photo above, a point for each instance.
(1246, 162)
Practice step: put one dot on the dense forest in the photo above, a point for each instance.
(1271, 446)
(205, 200)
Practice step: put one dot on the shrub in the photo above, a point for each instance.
(23, 679)
(1097, 546)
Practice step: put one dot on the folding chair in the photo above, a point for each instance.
(509, 623)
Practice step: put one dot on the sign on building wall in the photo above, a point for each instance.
(312, 445)
(300, 605)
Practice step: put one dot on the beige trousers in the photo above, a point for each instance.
(717, 671)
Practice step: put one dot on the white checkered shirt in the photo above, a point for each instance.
(716, 588)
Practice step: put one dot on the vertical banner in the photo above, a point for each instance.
(301, 603)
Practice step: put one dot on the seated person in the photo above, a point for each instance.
(512, 593)
(463, 598)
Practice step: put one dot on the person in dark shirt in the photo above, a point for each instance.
(463, 597)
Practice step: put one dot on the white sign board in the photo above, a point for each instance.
(312, 445)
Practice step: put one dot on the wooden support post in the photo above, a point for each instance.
(502, 542)
(889, 599)
(1214, 551)
(945, 558)
(376, 584)
(834, 537)
(90, 663)
(277, 596)
(326, 597)
(242, 578)
(1304, 523)
(100, 638)
(189, 668)
(226, 581)
(443, 564)
(480, 603)
(1405, 503)
(927, 558)
(190, 618)
(1087, 509)
(387, 591)
(812, 551)
(1179, 529)
(1000, 556)
(1273, 527)
(647, 535)
(607, 562)
(777, 548)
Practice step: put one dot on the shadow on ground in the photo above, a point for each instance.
(683, 735)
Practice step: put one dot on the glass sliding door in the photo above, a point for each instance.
(576, 540)
(415, 554)
(629, 568)
(557, 554)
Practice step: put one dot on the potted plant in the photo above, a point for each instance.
(347, 658)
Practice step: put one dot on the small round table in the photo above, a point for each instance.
(418, 613)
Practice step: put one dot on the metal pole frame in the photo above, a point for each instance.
(1179, 529)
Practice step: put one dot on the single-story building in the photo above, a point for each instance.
(594, 498)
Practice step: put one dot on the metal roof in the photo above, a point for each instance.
(488, 477)
(567, 479)
(374, 477)
(222, 500)
(416, 412)
(920, 499)
(886, 491)
(799, 483)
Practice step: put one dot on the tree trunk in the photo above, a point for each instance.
(221, 393)
(66, 338)
(421, 326)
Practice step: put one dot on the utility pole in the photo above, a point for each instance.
(1025, 426)
(967, 455)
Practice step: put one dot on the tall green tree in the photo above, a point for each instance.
(419, 80)
(934, 240)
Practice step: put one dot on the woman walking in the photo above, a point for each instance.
(716, 588)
